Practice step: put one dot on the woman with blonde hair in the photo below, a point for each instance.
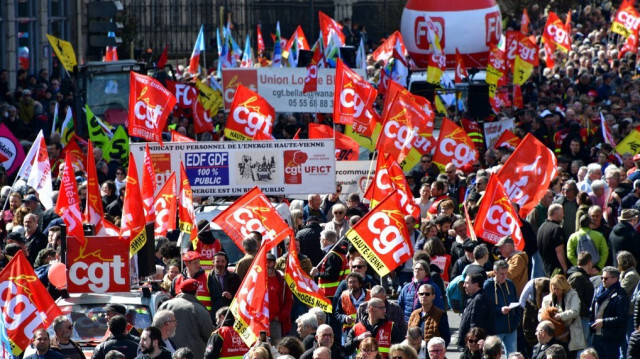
(297, 220)
(259, 352)
(562, 307)
(403, 351)
(368, 349)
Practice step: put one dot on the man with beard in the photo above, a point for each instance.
(43, 347)
(150, 345)
(166, 321)
(62, 342)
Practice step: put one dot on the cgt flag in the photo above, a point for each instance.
(347, 149)
(627, 20)
(165, 207)
(388, 177)
(249, 114)
(311, 80)
(27, 306)
(530, 168)
(253, 212)
(68, 204)
(381, 236)
(301, 284)
(149, 106)
(186, 214)
(353, 100)
(455, 146)
(133, 221)
(526, 59)
(148, 185)
(555, 33)
(250, 306)
(496, 216)
(507, 139)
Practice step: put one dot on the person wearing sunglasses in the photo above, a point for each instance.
(338, 223)
(609, 311)
(368, 349)
(473, 348)
(62, 342)
(432, 320)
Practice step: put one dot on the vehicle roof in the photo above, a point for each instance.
(133, 297)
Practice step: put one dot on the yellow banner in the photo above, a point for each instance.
(620, 29)
(235, 135)
(64, 52)
(367, 253)
(630, 144)
(366, 142)
(185, 227)
(522, 70)
(210, 99)
(433, 75)
(241, 327)
(138, 242)
(306, 298)
(493, 75)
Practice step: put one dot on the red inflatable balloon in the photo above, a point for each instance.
(58, 275)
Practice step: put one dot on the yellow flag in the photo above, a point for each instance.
(64, 51)
(366, 142)
(522, 70)
(210, 99)
(630, 144)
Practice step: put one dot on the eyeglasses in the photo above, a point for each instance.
(422, 294)
(472, 341)
(605, 278)
(425, 161)
(357, 266)
(436, 351)
(397, 357)
(417, 269)
(338, 212)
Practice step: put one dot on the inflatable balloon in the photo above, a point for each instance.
(469, 26)
(58, 275)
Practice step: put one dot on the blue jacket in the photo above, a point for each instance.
(501, 295)
(408, 299)
(615, 313)
(50, 354)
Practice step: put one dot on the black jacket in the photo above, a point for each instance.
(615, 314)
(120, 343)
(633, 349)
(309, 238)
(164, 354)
(538, 349)
(579, 281)
(478, 312)
(624, 237)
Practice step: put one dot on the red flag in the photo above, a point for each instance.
(253, 212)
(186, 214)
(524, 22)
(148, 186)
(496, 216)
(93, 211)
(149, 106)
(567, 25)
(311, 80)
(511, 46)
(297, 135)
(301, 284)
(27, 306)
(177, 137)
(381, 236)
(528, 171)
(77, 155)
(347, 149)
(383, 83)
(301, 39)
(555, 33)
(549, 50)
(249, 114)
(384, 51)
(260, 136)
(627, 20)
(507, 139)
(328, 25)
(461, 70)
(260, 40)
(455, 146)
(68, 205)
(250, 306)
(631, 45)
(133, 220)
(389, 177)
(162, 60)
(353, 101)
(165, 207)
(517, 97)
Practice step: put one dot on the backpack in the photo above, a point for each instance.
(454, 294)
(585, 244)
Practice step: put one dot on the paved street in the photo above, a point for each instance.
(454, 324)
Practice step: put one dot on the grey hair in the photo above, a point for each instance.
(597, 184)
(162, 317)
(319, 313)
(57, 322)
(329, 235)
(414, 333)
(308, 319)
(377, 290)
(501, 264)
(592, 167)
(436, 341)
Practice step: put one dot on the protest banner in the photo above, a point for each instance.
(233, 168)
(493, 130)
(100, 265)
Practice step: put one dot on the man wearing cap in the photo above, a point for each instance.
(634, 173)
(113, 309)
(518, 263)
(33, 203)
(468, 246)
(630, 200)
(309, 238)
(333, 268)
(192, 270)
(206, 245)
(194, 325)
(36, 240)
(224, 284)
(280, 300)
(624, 236)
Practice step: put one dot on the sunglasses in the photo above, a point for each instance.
(424, 294)
(338, 212)
(472, 341)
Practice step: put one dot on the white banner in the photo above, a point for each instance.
(352, 175)
(282, 87)
(493, 130)
(233, 168)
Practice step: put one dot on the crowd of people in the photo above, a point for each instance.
(572, 292)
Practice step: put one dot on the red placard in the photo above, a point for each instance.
(100, 266)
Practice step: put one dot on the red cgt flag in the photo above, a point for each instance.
(249, 114)
(461, 70)
(93, 211)
(384, 51)
(507, 139)
(353, 101)
(177, 137)
(27, 304)
(347, 149)
(389, 177)
(250, 306)
(68, 205)
(186, 214)
(311, 80)
(165, 207)
(148, 189)
(381, 236)
(496, 216)
(260, 40)
(455, 146)
(133, 221)
(328, 25)
(627, 20)
(524, 22)
(253, 212)
(149, 106)
(301, 284)
(555, 33)
(527, 173)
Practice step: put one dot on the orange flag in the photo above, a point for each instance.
(186, 214)
(496, 216)
(250, 306)
(524, 22)
(627, 20)
(507, 139)
(148, 185)
(455, 146)
(177, 137)
(68, 205)
(165, 207)
(347, 149)
(132, 223)
(328, 25)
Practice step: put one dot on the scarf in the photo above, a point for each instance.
(602, 296)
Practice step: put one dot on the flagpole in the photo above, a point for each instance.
(329, 252)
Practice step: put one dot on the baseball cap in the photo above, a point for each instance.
(31, 197)
(271, 257)
(116, 307)
(190, 255)
(636, 157)
(505, 240)
(469, 246)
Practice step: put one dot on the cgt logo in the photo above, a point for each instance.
(293, 161)
(460, 153)
(249, 222)
(630, 22)
(421, 30)
(23, 310)
(493, 26)
(503, 221)
(558, 34)
(144, 111)
(254, 120)
(98, 275)
(387, 236)
(351, 104)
